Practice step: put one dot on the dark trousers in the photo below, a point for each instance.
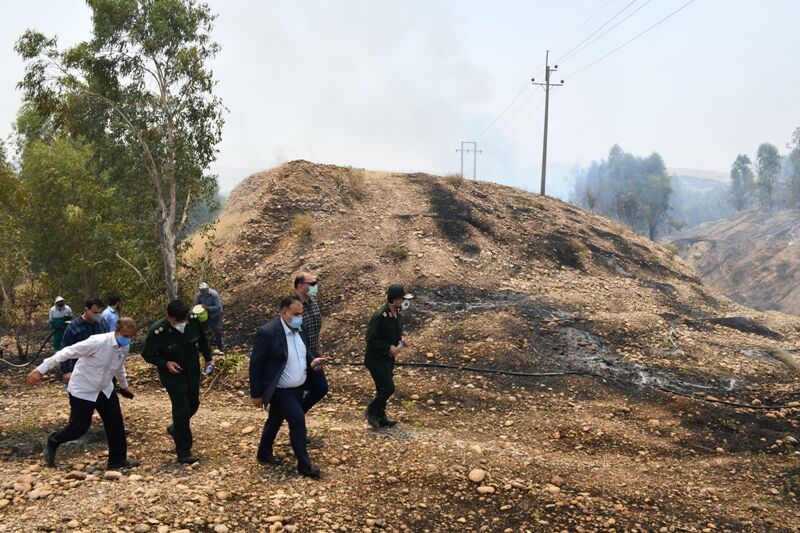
(213, 331)
(286, 404)
(382, 375)
(185, 398)
(80, 419)
(316, 387)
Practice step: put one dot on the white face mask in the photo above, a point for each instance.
(180, 326)
(405, 305)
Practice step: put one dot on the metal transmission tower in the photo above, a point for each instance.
(547, 85)
(474, 150)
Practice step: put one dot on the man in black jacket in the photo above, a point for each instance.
(278, 369)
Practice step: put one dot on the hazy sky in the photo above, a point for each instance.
(397, 85)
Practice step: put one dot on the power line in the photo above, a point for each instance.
(511, 116)
(540, 72)
(584, 47)
(573, 32)
(598, 29)
(525, 119)
(522, 90)
(626, 43)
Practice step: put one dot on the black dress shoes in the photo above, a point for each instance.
(373, 420)
(269, 460)
(309, 471)
(127, 463)
(387, 422)
(188, 459)
(50, 453)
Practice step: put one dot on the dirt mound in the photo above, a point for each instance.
(503, 276)
(754, 258)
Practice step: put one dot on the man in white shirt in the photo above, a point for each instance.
(100, 358)
(278, 368)
(60, 314)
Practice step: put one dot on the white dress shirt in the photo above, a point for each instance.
(294, 373)
(100, 358)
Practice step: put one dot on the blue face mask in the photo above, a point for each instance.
(296, 322)
(123, 341)
(313, 291)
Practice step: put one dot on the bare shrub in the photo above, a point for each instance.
(303, 226)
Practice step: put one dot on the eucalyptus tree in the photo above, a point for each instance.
(142, 93)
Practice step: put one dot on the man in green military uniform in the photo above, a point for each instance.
(172, 344)
(384, 342)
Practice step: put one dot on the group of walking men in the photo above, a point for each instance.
(286, 369)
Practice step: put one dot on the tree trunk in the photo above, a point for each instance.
(167, 239)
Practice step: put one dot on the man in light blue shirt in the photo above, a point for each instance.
(111, 313)
(211, 302)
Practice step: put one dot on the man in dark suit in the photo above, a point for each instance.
(278, 369)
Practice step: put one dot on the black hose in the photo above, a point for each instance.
(565, 373)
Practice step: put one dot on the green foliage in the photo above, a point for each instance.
(768, 168)
(14, 258)
(84, 230)
(232, 363)
(742, 182)
(794, 175)
(633, 190)
(140, 93)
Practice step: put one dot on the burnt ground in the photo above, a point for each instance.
(630, 435)
(601, 452)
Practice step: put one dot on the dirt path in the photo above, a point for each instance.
(554, 459)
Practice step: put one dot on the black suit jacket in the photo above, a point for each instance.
(270, 353)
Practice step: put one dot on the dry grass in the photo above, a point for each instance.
(670, 248)
(454, 180)
(397, 253)
(303, 226)
(352, 182)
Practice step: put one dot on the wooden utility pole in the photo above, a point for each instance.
(547, 85)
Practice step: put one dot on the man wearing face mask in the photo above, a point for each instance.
(306, 286)
(174, 344)
(100, 358)
(211, 302)
(79, 329)
(60, 314)
(279, 365)
(385, 342)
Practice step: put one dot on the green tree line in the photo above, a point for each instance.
(770, 181)
(108, 172)
(633, 190)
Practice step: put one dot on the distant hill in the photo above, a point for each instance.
(753, 257)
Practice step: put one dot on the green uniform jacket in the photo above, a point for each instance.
(165, 343)
(58, 325)
(383, 331)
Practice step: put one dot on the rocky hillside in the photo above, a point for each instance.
(565, 375)
(754, 258)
